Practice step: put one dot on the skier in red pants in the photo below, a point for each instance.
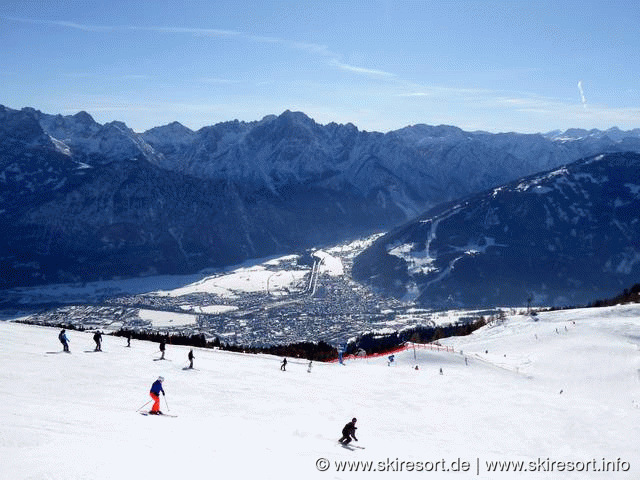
(156, 388)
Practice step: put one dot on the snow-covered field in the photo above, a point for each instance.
(161, 319)
(272, 276)
(241, 280)
(565, 388)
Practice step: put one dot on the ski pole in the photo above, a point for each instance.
(165, 401)
(144, 405)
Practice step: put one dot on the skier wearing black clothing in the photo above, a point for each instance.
(97, 337)
(283, 365)
(191, 357)
(162, 348)
(349, 432)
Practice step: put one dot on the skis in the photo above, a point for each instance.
(350, 446)
(147, 414)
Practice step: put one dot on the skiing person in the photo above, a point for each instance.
(156, 388)
(283, 365)
(128, 339)
(97, 337)
(349, 432)
(162, 348)
(309, 366)
(64, 340)
(191, 357)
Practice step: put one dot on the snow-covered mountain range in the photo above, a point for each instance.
(81, 201)
(565, 237)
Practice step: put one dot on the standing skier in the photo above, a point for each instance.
(283, 365)
(97, 337)
(191, 357)
(162, 348)
(156, 388)
(349, 432)
(309, 366)
(64, 340)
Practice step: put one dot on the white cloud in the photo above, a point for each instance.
(61, 23)
(416, 94)
(312, 48)
(123, 77)
(217, 81)
(199, 32)
(360, 70)
(582, 98)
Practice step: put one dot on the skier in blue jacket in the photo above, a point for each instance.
(64, 340)
(156, 388)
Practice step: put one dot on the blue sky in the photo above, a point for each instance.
(530, 66)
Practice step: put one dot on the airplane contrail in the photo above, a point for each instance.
(582, 98)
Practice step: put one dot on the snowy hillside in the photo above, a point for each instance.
(564, 388)
(569, 236)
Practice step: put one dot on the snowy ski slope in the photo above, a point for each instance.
(564, 388)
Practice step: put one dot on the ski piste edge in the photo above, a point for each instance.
(147, 414)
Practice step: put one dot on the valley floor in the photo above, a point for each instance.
(562, 388)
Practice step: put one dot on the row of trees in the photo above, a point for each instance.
(371, 343)
(376, 343)
(320, 351)
(629, 295)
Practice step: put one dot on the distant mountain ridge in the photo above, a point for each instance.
(415, 166)
(81, 201)
(565, 237)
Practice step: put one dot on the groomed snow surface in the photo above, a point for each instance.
(564, 388)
